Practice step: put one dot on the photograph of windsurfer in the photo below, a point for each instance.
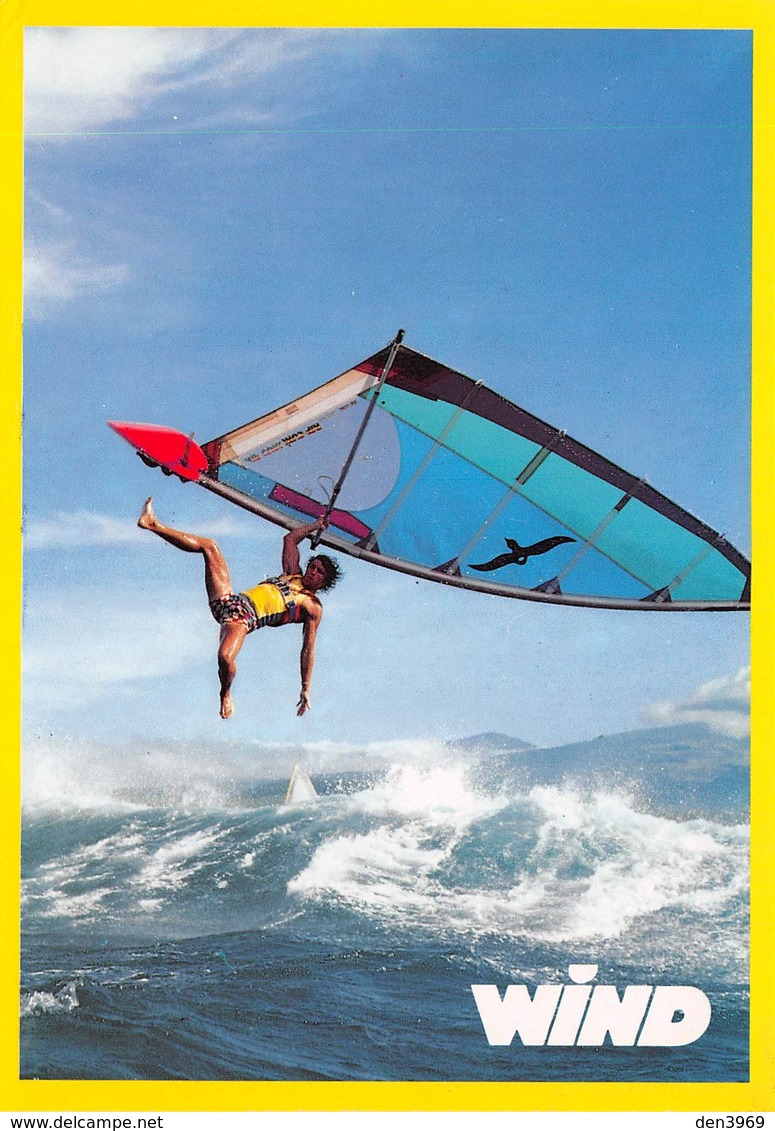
(290, 598)
(510, 840)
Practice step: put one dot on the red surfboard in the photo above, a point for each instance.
(172, 451)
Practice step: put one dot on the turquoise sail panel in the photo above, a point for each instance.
(475, 439)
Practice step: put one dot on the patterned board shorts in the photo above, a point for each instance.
(235, 607)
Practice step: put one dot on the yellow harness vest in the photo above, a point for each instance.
(274, 602)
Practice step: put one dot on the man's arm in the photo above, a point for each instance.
(291, 559)
(308, 657)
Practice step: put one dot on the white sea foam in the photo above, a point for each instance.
(419, 817)
(80, 883)
(141, 864)
(77, 776)
(587, 866)
(386, 868)
(64, 775)
(635, 863)
(437, 795)
(175, 861)
(43, 1001)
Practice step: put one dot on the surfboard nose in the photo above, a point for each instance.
(158, 446)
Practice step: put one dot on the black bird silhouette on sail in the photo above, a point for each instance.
(519, 554)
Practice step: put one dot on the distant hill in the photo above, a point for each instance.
(489, 742)
(687, 768)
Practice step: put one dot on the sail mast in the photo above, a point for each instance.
(364, 423)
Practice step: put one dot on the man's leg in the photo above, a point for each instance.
(233, 635)
(218, 584)
(217, 580)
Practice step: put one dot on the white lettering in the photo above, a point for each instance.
(578, 1014)
(582, 973)
(663, 1027)
(516, 1012)
(566, 1023)
(607, 1014)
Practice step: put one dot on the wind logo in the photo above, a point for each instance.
(583, 1015)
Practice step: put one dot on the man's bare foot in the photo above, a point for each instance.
(227, 707)
(147, 519)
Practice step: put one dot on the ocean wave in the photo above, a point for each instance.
(553, 863)
(414, 852)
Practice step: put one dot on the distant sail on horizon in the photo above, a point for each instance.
(300, 787)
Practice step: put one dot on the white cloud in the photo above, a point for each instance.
(78, 647)
(79, 79)
(87, 80)
(54, 273)
(721, 704)
(72, 529)
(83, 79)
(66, 530)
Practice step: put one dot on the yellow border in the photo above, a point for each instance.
(150, 1096)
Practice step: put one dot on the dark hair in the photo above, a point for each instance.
(332, 568)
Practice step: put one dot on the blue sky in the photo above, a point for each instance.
(216, 221)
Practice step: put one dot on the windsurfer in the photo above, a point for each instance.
(288, 599)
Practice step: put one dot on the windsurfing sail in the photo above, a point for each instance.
(451, 482)
(421, 469)
(300, 787)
